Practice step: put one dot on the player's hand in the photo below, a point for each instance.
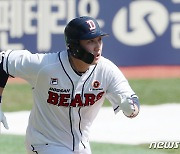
(129, 107)
(3, 120)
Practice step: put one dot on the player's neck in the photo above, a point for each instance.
(78, 66)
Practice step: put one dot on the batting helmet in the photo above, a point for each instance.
(81, 28)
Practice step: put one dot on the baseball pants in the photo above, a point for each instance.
(53, 149)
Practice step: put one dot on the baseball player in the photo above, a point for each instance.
(69, 88)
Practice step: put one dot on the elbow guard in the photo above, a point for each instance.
(3, 75)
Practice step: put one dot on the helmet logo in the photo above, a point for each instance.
(91, 24)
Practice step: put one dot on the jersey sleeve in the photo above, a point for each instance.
(23, 64)
(118, 87)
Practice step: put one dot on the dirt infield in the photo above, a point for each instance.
(138, 72)
(144, 72)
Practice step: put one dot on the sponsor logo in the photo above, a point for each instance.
(54, 81)
(96, 86)
(59, 90)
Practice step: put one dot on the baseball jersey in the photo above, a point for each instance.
(65, 104)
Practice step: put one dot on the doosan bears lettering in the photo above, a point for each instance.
(65, 99)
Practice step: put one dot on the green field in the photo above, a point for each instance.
(13, 144)
(18, 97)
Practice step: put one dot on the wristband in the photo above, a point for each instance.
(0, 98)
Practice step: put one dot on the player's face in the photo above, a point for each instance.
(94, 46)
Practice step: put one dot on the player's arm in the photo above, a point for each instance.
(128, 104)
(121, 95)
(3, 80)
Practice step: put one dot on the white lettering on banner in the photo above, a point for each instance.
(41, 18)
(175, 34)
(94, 11)
(44, 23)
(92, 4)
(5, 26)
(5, 43)
(30, 16)
(136, 28)
(176, 1)
(16, 29)
(141, 23)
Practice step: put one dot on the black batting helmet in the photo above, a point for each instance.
(81, 28)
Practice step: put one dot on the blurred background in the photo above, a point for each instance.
(142, 32)
(144, 42)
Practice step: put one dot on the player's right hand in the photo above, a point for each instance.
(129, 107)
(3, 120)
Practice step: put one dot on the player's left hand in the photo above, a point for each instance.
(129, 107)
(3, 120)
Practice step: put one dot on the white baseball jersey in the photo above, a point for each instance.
(65, 104)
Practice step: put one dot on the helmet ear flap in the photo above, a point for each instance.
(73, 46)
(77, 51)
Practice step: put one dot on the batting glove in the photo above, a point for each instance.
(130, 106)
(3, 119)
